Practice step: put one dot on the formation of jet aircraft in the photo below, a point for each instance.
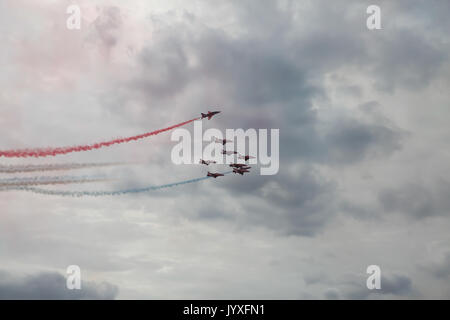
(238, 168)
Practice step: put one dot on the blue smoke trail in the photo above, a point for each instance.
(110, 193)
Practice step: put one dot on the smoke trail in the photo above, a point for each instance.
(54, 167)
(44, 152)
(110, 193)
(17, 182)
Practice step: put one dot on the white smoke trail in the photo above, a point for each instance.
(33, 181)
(53, 167)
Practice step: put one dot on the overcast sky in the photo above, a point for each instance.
(364, 159)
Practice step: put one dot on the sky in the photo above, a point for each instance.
(364, 161)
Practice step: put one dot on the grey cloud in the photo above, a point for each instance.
(351, 141)
(315, 277)
(417, 200)
(261, 81)
(163, 69)
(296, 205)
(395, 284)
(254, 72)
(359, 211)
(106, 26)
(406, 58)
(332, 294)
(441, 270)
(51, 285)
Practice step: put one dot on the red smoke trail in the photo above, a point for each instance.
(44, 152)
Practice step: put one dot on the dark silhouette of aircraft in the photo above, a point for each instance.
(210, 114)
(222, 141)
(246, 157)
(229, 152)
(214, 175)
(238, 165)
(240, 171)
(207, 162)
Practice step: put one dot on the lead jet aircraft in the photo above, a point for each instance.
(210, 114)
